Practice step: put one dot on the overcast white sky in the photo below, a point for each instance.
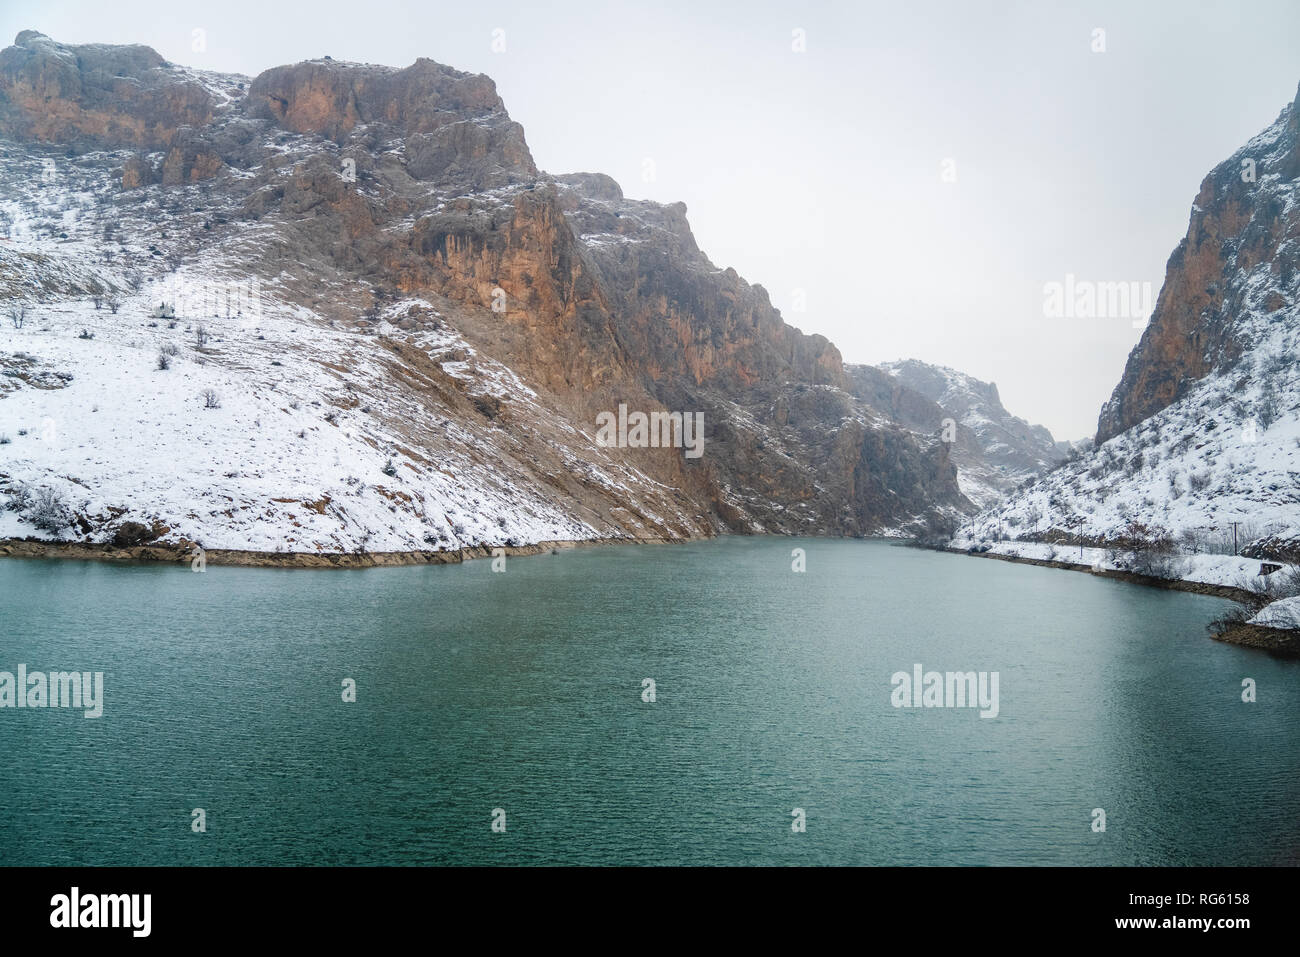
(822, 171)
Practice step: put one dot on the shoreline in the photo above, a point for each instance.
(183, 554)
(1135, 578)
(1276, 641)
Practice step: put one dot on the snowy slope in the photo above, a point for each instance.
(994, 450)
(310, 414)
(1224, 457)
(1188, 472)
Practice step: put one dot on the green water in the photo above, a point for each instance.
(522, 691)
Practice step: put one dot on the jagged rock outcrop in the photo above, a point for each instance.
(333, 98)
(690, 320)
(1275, 548)
(1239, 220)
(994, 450)
(95, 95)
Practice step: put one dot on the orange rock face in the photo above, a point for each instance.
(1237, 223)
(332, 98)
(95, 95)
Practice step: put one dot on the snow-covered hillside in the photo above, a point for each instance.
(1214, 386)
(994, 451)
(238, 419)
(1228, 452)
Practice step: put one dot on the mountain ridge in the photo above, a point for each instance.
(454, 317)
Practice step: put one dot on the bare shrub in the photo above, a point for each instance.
(1261, 590)
(1237, 614)
(210, 399)
(1175, 486)
(1269, 406)
(1158, 563)
(20, 499)
(1265, 589)
(47, 511)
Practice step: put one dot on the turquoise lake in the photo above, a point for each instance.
(522, 691)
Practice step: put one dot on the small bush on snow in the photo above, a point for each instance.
(19, 499)
(1268, 408)
(1263, 590)
(1270, 588)
(47, 511)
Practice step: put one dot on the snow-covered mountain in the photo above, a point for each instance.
(336, 307)
(994, 451)
(1201, 438)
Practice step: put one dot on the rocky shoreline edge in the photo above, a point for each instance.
(184, 554)
(1282, 642)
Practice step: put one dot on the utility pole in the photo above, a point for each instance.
(1234, 537)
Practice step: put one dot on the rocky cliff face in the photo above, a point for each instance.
(994, 450)
(403, 208)
(95, 95)
(1243, 217)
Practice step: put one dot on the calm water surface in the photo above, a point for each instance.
(522, 691)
